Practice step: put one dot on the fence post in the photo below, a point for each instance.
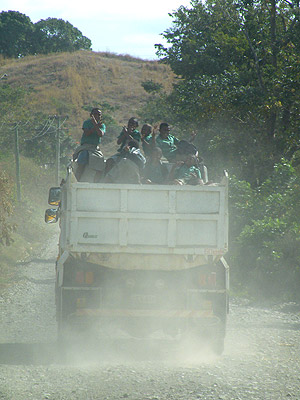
(57, 163)
(17, 157)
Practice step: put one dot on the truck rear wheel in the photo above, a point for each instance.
(63, 327)
(217, 345)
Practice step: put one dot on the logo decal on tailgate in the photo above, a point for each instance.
(86, 235)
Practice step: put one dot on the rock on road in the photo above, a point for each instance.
(260, 361)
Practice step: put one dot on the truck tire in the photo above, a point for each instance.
(62, 324)
(217, 345)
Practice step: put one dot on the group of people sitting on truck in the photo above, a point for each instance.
(144, 156)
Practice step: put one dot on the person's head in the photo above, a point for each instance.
(97, 113)
(191, 160)
(156, 154)
(164, 129)
(133, 123)
(146, 129)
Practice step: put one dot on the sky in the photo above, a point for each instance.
(117, 26)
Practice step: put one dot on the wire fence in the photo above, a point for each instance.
(52, 125)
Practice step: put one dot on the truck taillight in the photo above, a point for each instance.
(84, 277)
(80, 302)
(89, 277)
(208, 280)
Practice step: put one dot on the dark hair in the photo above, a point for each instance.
(134, 120)
(148, 126)
(185, 147)
(96, 109)
(163, 125)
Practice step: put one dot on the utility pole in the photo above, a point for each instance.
(17, 157)
(57, 163)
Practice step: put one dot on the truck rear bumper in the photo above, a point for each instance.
(206, 316)
(144, 313)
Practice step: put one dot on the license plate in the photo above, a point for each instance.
(143, 299)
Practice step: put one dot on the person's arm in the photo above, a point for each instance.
(124, 135)
(153, 140)
(173, 169)
(196, 177)
(192, 137)
(96, 127)
(176, 141)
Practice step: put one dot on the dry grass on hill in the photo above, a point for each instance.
(62, 83)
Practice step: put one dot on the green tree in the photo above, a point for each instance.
(239, 68)
(56, 35)
(265, 233)
(151, 87)
(20, 37)
(16, 30)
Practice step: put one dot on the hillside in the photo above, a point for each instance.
(66, 82)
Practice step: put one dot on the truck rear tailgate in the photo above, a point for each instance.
(145, 219)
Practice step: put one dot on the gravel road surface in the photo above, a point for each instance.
(260, 361)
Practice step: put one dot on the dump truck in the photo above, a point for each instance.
(145, 257)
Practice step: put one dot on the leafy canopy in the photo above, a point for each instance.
(16, 32)
(238, 61)
(55, 35)
(20, 37)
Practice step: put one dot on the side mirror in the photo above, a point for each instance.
(54, 196)
(51, 216)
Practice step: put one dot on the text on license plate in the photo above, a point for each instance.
(143, 299)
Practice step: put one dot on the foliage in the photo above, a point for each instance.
(265, 232)
(157, 109)
(57, 35)
(239, 68)
(16, 30)
(20, 37)
(151, 87)
(6, 209)
(30, 232)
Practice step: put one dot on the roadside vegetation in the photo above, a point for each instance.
(230, 72)
(238, 63)
(22, 228)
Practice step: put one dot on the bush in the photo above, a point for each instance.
(265, 234)
(151, 87)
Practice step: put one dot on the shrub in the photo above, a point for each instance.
(265, 233)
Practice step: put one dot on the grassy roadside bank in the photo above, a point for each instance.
(28, 217)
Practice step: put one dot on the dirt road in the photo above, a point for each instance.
(260, 361)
